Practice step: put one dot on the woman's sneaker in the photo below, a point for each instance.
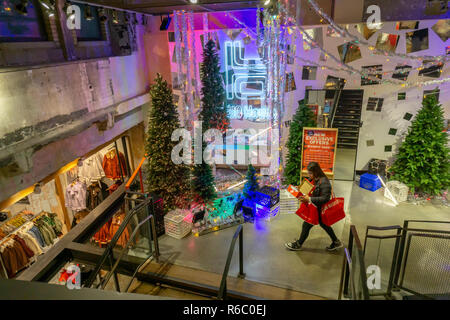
(335, 245)
(293, 246)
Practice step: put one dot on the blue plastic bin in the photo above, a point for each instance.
(370, 182)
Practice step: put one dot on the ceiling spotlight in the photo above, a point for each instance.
(193, 1)
(21, 7)
(88, 13)
(115, 17)
(37, 188)
(102, 15)
(48, 4)
(266, 2)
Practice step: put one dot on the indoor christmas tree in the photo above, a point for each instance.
(214, 113)
(202, 183)
(252, 184)
(303, 117)
(422, 162)
(165, 178)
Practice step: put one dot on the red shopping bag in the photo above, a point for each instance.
(308, 212)
(333, 211)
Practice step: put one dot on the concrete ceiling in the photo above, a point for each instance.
(342, 11)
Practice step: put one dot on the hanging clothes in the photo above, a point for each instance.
(91, 169)
(115, 225)
(103, 237)
(19, 248)
(94, 196)
(14, 256)
(75, 198)
(111, 165)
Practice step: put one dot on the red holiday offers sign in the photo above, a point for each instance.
(319, 145)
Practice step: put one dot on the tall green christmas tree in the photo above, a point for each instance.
(214, 113)
(303, 117)
(252, 183)
(164, 177)
(422, 162)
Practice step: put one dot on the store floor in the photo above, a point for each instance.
(344, 164)
(266, 260)
(312, 270)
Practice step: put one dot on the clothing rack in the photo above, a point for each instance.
(36, 216)
(8, 237)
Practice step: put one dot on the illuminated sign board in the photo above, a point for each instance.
(245, 83)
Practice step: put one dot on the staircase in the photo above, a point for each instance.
(347, 118)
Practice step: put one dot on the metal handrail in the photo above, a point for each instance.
(353, 239)
(335, 104)
(133, 234)
(223, 283)
(133, 176)
(107, 254)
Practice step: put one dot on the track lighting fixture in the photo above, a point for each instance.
(49, 6)
(135, 20)
(102, 15)
(126, 18)
(21, 7)
(37, 188)
(115, 17)
(88, 13)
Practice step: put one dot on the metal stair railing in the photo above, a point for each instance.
(108, 255)
(105, 280)
(222, 295)
(353, 283)
(432, 271)
(337, 96)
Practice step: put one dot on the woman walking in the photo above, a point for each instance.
(320, 196)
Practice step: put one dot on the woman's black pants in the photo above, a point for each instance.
(306, 227)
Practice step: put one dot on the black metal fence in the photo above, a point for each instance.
(414, 259)
(353, 279)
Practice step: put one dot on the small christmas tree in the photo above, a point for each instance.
(422, 162)
(165, 178)
(252, 184)
(303, 117)
(203, 183)
(214, 113)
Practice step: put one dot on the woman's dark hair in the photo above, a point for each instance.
(315, 168)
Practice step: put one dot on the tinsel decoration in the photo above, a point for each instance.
(344, 32)
(181, 83)
(258, 26)
(206, 35)
(187, 53)
(194, 60)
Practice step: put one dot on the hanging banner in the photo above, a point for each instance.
(319, 145)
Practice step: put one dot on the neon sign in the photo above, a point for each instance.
(245, 80)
